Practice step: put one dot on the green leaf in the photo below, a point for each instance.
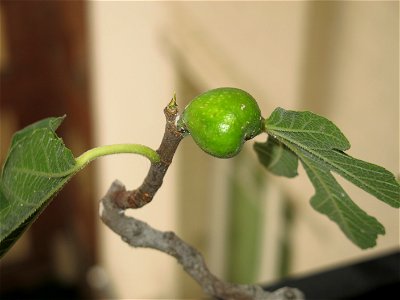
(321, 139)
(319, 144)
(305, 129)
(331, 200)
(277, 158)
(50, 123)
(37, 166)
(372, 178)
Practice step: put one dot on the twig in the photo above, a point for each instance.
(139, 234)
(154, 179)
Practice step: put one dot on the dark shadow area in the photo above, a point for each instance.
(370, 279)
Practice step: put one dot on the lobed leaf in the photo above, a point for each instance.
(331, 200)
(372, 178)
(319, 144)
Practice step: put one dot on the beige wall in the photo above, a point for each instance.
(338, 59)
(132, 84)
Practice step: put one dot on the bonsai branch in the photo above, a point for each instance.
(139, 234)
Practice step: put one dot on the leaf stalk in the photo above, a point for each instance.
(94, 153)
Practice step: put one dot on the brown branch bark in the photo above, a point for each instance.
(139, 234)
(154, 179)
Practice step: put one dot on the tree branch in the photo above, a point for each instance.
(154, 179)
(139, 234)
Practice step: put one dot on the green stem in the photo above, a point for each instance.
(94, 153)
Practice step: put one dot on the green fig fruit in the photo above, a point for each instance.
(221, 120)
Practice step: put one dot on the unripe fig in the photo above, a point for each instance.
(221, 120)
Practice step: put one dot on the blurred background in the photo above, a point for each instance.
(113, 66)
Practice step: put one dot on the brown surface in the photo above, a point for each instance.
(46, 74)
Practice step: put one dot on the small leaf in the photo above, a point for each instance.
(319, 144)
(277, 158)
(37, 166)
